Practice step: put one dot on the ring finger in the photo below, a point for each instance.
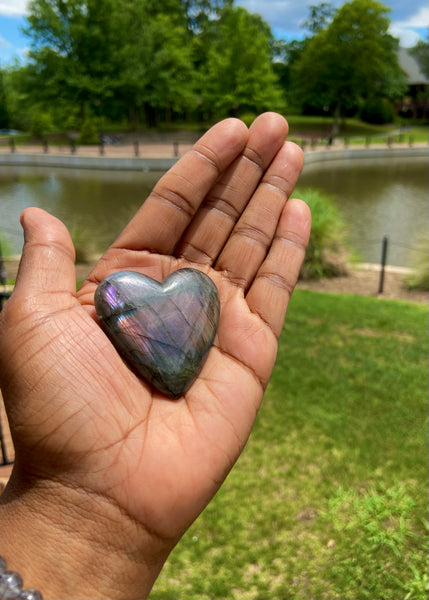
(253, 234)
(206, 235)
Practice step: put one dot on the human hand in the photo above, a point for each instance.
(117, 470)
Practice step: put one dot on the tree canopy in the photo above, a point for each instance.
(238, 75)
(134, 57)
(421, 54)
(157, 60)
(350, 59)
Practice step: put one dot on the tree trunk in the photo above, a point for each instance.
(133, 118)
(150, 114)
(336, 124)
(82, 113)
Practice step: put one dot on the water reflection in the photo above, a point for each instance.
(95, 205)
(374, 197)
(377, 197)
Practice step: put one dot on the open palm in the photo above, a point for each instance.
(79, 415)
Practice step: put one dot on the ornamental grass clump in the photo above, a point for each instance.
(419, 277)
(327, 253)
(88, 133)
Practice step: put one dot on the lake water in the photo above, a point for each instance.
(375, 198)
(378, 197)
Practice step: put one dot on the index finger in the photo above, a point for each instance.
(161, 221)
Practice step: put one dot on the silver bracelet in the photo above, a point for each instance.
(11, 585)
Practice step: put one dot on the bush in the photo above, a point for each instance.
(419, 278)
(72, 123)
(377, 111)
(88, 133)
(41, 124)
(326, 254)
(248, 118)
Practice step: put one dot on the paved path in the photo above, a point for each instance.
(165, 150)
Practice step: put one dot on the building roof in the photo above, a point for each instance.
(411, 68)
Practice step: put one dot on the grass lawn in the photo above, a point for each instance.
(329, 499)
(350, 127)
(358, 131)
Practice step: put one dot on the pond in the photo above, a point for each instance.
(375, 198)
(378, 197)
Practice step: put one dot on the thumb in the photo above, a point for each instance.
(47, 261)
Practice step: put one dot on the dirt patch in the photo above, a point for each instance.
(365, 282)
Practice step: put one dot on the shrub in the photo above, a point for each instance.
(248, 118)
(88, 133)
(326, 254)
(419, 278)
(377, 111)
(71, 123)
(41, 124)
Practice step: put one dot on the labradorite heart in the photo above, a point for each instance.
(164, 330)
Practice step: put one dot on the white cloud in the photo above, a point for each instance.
(420, 19)
(405, 30)
(407, 37)
(13, 7)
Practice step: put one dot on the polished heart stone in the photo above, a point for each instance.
(164, 330)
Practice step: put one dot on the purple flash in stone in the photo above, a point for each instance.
(164, 330)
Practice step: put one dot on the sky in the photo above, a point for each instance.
(410, 21)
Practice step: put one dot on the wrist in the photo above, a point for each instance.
(72, 543)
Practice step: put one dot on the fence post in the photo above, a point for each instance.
(136, 148)
(176, 148)
(384, 246)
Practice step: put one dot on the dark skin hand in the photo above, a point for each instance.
(109, 474)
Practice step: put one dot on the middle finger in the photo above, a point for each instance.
(206, 235)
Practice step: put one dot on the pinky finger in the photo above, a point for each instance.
(269, 294)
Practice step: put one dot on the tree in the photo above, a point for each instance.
(72, 45)
(239, 75)
(320, 16)
(285, 55)
(4, 112)
(109, 55)
(156, 72)
(199, 13)
(421, 54)
(352, 58)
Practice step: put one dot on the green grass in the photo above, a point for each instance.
(415, 135)
(329, 499)
(358, 132)
(348, 127)
(419, 134)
